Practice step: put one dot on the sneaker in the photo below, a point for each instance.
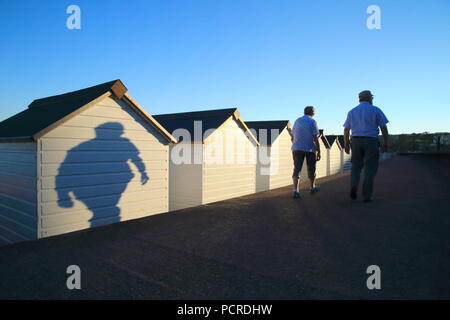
(295, 194)
(354, 193)
(314, 190)
(367, 199)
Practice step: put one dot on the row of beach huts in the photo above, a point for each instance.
(95, 156)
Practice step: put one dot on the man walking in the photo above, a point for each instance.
(364, 121)
(305, 144)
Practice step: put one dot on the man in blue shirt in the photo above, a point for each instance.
(363, 121)
(305, 144)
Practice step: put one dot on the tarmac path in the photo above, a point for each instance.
(263, 246)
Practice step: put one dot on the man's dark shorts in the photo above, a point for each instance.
(299, 157)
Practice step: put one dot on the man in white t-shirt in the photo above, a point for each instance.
(305, 144)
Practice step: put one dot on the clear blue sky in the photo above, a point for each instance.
(267, 58)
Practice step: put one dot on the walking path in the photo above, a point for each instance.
(262, 246)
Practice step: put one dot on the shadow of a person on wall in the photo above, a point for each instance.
(96, 180)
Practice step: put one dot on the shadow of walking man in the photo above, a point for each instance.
(98, 182)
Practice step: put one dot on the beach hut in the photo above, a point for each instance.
(334, 155)
(214, 159)
(78, 160)
(322, 165)
(274, 160)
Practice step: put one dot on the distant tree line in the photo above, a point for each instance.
(420, 142)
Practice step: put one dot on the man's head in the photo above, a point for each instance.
(365, 96)
(310, 111)
(108, 129)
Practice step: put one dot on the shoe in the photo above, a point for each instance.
(314, 190)
(295, 194)
(354, 193)
(367, 199)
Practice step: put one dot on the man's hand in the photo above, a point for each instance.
(384, 148)
(347, 148)
(144, 178)
(318, 156)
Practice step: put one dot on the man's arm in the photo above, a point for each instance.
(64, 194)
(347, 140)
(315, 134)
(316, 142)
(385, 133)
(137, 161)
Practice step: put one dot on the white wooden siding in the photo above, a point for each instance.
(236, 175)
(185, 179)
(278, 172)
(97, 169)
(334, 159)
(282, 164)
(18, 185)
(263, 168)
(322, 164)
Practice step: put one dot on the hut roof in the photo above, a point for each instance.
(45, 113)
(279, 125)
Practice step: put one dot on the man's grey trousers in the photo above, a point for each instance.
(365, 154)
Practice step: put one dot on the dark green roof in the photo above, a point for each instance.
(42, 113)
(331, 139)
(211, 119)
(341, 140)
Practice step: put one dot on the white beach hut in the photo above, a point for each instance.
(322, 165)
(274, 161)
(334, 155)
(79, 160)
(214, 159)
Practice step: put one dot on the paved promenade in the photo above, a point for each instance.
(262, 246)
